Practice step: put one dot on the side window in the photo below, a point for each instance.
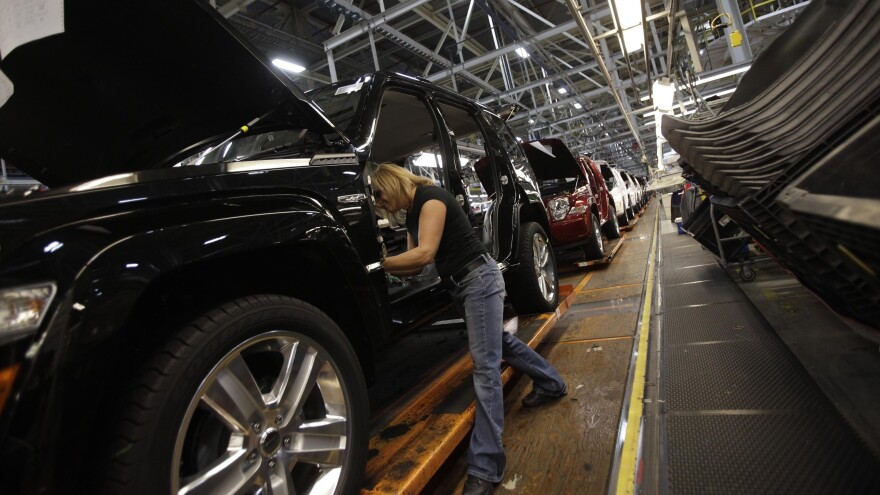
(591, 180)
(512, 145)
(476, 161)
(508, 140)
(608, 176)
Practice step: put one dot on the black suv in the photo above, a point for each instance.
(194, 305)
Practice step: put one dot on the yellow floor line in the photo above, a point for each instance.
(591, 341)
(583, 282)
(626, 474)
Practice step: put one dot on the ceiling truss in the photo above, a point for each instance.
(520, 53)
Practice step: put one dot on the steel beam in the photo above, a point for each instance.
(370, 22)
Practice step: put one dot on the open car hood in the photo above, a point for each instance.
(136, 85)
(551, 159)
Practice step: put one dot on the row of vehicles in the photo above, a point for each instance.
(196, 303)
(585, 199)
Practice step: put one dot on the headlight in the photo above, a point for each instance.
(22, 308)
(559, 208)
(578, 210)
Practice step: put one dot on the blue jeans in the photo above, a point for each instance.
(480, 297)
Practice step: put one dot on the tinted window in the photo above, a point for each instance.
(288, 143)
(342, 103)
(477, 164)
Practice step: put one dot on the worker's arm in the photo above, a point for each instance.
(432, 219)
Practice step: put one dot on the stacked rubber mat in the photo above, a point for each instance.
(800, 126)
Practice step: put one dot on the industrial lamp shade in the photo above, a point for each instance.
(663, 92)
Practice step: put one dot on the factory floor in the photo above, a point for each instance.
(682, 379)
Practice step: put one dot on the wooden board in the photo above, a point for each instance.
(618, 273)
(609, 293)
(575, 328)
(563, 447)
(409, 446)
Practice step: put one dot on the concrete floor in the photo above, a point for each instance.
(569, 446)
(845, 365)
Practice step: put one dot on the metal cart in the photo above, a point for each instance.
(722, 236)
(746, 273)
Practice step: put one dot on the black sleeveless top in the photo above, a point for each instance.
(459, 244)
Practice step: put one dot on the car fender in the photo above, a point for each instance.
(114, 263)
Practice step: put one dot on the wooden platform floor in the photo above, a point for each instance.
(567, 447)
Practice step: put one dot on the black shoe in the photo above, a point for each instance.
(536, 398)
(477, 486)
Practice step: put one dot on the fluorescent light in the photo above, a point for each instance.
(531, 121)
(578, 105)
(721, 93)
(288, 66)
(721, 75)
(522, 52)
(630, 24)
(633, 38)
(562, 90)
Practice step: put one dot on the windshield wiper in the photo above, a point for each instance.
(270, 151)
(283, 148)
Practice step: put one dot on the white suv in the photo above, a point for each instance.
(617, 186)
(634, 190)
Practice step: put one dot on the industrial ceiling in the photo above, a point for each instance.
(560, 64)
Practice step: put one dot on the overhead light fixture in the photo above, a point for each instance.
(531, 121)
(663, 92)
(522, 52)
(562, 90)
(630, 24)
(578, 105)
(723, 74)
(288, 66)
(720, 93)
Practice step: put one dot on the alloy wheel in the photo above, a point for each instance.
(543, 266)
(270, 417)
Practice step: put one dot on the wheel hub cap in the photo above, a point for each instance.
(270, 441)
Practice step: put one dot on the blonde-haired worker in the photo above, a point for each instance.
(439, 231)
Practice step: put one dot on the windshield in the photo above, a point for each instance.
(288, 143)
(16, 184)
(342, 103)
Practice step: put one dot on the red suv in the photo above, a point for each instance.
(575, 195)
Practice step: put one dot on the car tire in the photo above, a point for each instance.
(595, 247)
(262, 394)
(612, 226)
(623, 220)
(534, 286)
